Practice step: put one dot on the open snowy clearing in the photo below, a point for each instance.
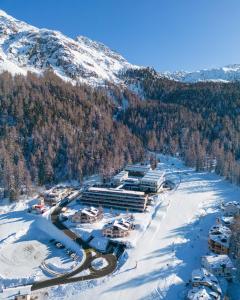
(21, 258)
(171, 247)
(26, 254)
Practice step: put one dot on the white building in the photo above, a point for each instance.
(219, 265)
(115, 198)
(152, 181)
(138, 169)
(202, 293)
(56, 194)
(231, 209)
(120, 177)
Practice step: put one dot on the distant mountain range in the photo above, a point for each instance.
(225, 74)
(26, 48)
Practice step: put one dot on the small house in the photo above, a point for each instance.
(202, 293)
(202, 277)
(88, 215)
(55, 195)
(231, 209)
(38, 209)
(219, 265)
(219, 239)
(227, 221)
(117, 229)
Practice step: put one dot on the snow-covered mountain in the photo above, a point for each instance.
(225, 74)
(26, 48)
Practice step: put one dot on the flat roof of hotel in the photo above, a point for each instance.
(153, 175)
(120, 175)
(117, 191)
(138, 167)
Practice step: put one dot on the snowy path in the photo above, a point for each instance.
(171, 247)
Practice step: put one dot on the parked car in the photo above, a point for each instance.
(59, 245)
(73, 255)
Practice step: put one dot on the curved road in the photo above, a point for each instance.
(68, 278)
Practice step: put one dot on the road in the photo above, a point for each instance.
(68, 277)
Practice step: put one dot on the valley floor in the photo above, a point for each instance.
(160, 263)
(172, 246)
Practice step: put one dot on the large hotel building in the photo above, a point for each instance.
(115, 198)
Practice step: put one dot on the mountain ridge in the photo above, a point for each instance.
(24, 48)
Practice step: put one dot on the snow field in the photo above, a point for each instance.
(26, 255)
(21, 258)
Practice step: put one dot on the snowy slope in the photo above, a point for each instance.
(225, 74)
(171, 247)
(26, 48)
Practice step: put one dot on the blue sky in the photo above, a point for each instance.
(165, 34)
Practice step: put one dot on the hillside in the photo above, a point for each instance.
(52, 131)
(199, 121)
(92, 111)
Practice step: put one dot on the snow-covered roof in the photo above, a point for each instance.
(99, 243)
(202, 276)
(216, 261)
(117, 191)
(120, 175)
(231, 204)
(227, 220)
(56, 191)
(122, 224)
(220, 234)
(202, 293)
(138, 168)
(132, 180)
(153, 176)
(90, 211)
